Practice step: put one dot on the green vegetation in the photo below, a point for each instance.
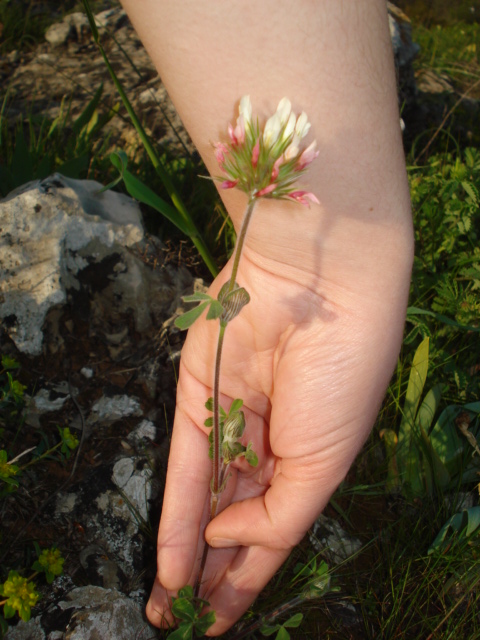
(20, 593)
(411, 497)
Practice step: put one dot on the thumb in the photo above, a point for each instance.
(278, 519)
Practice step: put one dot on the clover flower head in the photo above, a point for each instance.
(266, 163)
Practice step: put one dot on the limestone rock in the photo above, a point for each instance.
(52, 229)
(87, 613)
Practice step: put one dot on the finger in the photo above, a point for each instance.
(279, 518)
(247, 575)
(186, 490)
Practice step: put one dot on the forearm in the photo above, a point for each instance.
(333, 60)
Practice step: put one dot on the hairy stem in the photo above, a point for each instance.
(219, 468)
(240, 240)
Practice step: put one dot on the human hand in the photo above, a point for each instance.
(311, 356)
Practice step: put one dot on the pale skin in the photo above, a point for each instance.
(311, 355)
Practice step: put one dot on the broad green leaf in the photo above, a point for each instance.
(446, 440)
(251, 457)
(209, 404)
(466, 522)
(267, 630)
(282, 634)
(408, 453)
(294, 621)
(186, 591)
(416, 382)
(187, 319)
(144, 194)
(209, 422)
(429, 407)
(215, 311)
(235, 406)
(184, 632)
(204, 623)
(436, 473)
(182, 608)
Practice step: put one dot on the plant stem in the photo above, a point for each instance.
(240, 240)
(219, 467)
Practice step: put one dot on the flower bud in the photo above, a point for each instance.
(233, 427)
(232, 302)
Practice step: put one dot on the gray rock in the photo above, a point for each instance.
(51, 230)
(58, 34)
(111, 409)
(330, 539)
(74, 26)
(87, 613)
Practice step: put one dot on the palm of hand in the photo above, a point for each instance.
(297, 358)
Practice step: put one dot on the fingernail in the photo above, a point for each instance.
(223, 543)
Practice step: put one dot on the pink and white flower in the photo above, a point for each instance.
(266, 163)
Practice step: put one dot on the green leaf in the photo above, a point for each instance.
(203, 624)
(447, 442)
(282, 634)
(187, 319)
(235, 406)
(294, 621)
(182, 608)
(8, 611)
(414, 311)
(251, 457)
(186, 591)
(208, 422)
(75, 167)
(184, 632)
(215, 311)
(429, 407)
(436, 473)
(408, 453)
(465, 522)
(268, 630)
(87, 114)
(471, 191)
(144, 194)
(9, 363)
